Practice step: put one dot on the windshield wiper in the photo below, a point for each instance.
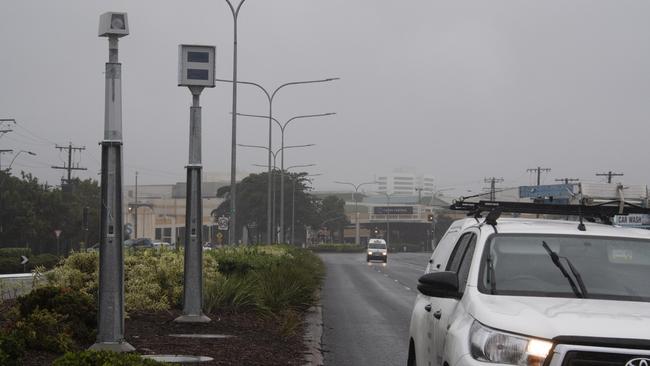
(582, 292)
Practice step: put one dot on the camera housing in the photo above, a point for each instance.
(113, 24)
(196, 65)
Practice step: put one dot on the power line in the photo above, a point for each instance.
(69, 167)
(539, 171)
(609, 175)
(567, 180)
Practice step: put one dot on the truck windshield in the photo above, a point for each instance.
(376, 246)
(607, 268)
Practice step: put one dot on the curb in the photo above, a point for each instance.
(313, 335)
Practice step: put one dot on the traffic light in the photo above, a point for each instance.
(430, 217)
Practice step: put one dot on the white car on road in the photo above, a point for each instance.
(534, 292)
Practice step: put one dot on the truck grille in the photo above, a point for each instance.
(578, 358)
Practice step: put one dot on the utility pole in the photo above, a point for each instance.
(135, 226)
(5, 130)
(493, 181)
(609, 175)
(539, 171)
(4, 152)
(69, 167)
(567, 180)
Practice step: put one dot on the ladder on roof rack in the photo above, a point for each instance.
(603, 211)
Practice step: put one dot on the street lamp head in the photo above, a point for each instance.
(332, 79)
(31, 153)
(113, 24)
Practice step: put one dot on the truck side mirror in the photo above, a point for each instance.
(439, 284)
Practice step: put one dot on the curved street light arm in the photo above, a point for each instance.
(307, 116)
(268, 96)
(18, 153)
(292, 147)
(260, 116)
(300, 83)
(299, 166)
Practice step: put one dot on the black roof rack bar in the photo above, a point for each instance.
(603, 211)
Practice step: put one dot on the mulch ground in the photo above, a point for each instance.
(254, 341)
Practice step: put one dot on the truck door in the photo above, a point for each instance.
(442, 310)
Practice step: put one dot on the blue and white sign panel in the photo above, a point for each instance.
(633, 220)
(551, 190)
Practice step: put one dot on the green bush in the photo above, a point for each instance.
(91, 358)
(12, 350)
(15, 252)
(230, 293)
(45, 330)
(10, 265)
(78, 310)
(242, 260)
(46, 260)
(338, 248)
(277, 279)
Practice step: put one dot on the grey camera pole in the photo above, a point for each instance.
(193, 273)
(110, 332)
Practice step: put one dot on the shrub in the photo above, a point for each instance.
(12, 350)
(230, 293)
(78, 310)
(45, 330)
(10, 265)
(338, 248)
(91, 358)
(15, 252)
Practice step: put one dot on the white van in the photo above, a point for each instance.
(377, 249)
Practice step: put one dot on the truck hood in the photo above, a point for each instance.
(551, 317)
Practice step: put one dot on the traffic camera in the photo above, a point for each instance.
(196, 65)
(113, 24)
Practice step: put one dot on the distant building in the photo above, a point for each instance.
(405, 183)
(161, 209)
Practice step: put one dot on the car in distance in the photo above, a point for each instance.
(161, 244)
(140, 243)
(377, 250)
(534, 292)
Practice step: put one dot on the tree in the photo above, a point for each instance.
(332, 214)
(31, 211)
(252, 200)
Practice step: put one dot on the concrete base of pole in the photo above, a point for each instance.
(119, 347)
(193, 319)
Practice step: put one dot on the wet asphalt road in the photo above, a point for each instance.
(367, 308)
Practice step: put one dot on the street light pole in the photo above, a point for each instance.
(15, 156)
(387, 219)
(357, 239)
(232, 233)
(271, 215)
(283, 127)
(293, 195)
(270, 97)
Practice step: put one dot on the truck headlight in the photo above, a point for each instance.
(369, 253)
(383, 253)
(490, 345)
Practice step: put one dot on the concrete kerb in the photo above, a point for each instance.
(314, 334)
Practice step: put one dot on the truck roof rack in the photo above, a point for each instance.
(602, 211)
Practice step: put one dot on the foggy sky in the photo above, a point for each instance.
(460, 90)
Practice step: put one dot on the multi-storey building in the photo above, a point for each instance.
(405, 183)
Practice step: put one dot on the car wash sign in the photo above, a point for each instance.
(633, 220)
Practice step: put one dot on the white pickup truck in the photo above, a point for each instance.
(534, 292)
